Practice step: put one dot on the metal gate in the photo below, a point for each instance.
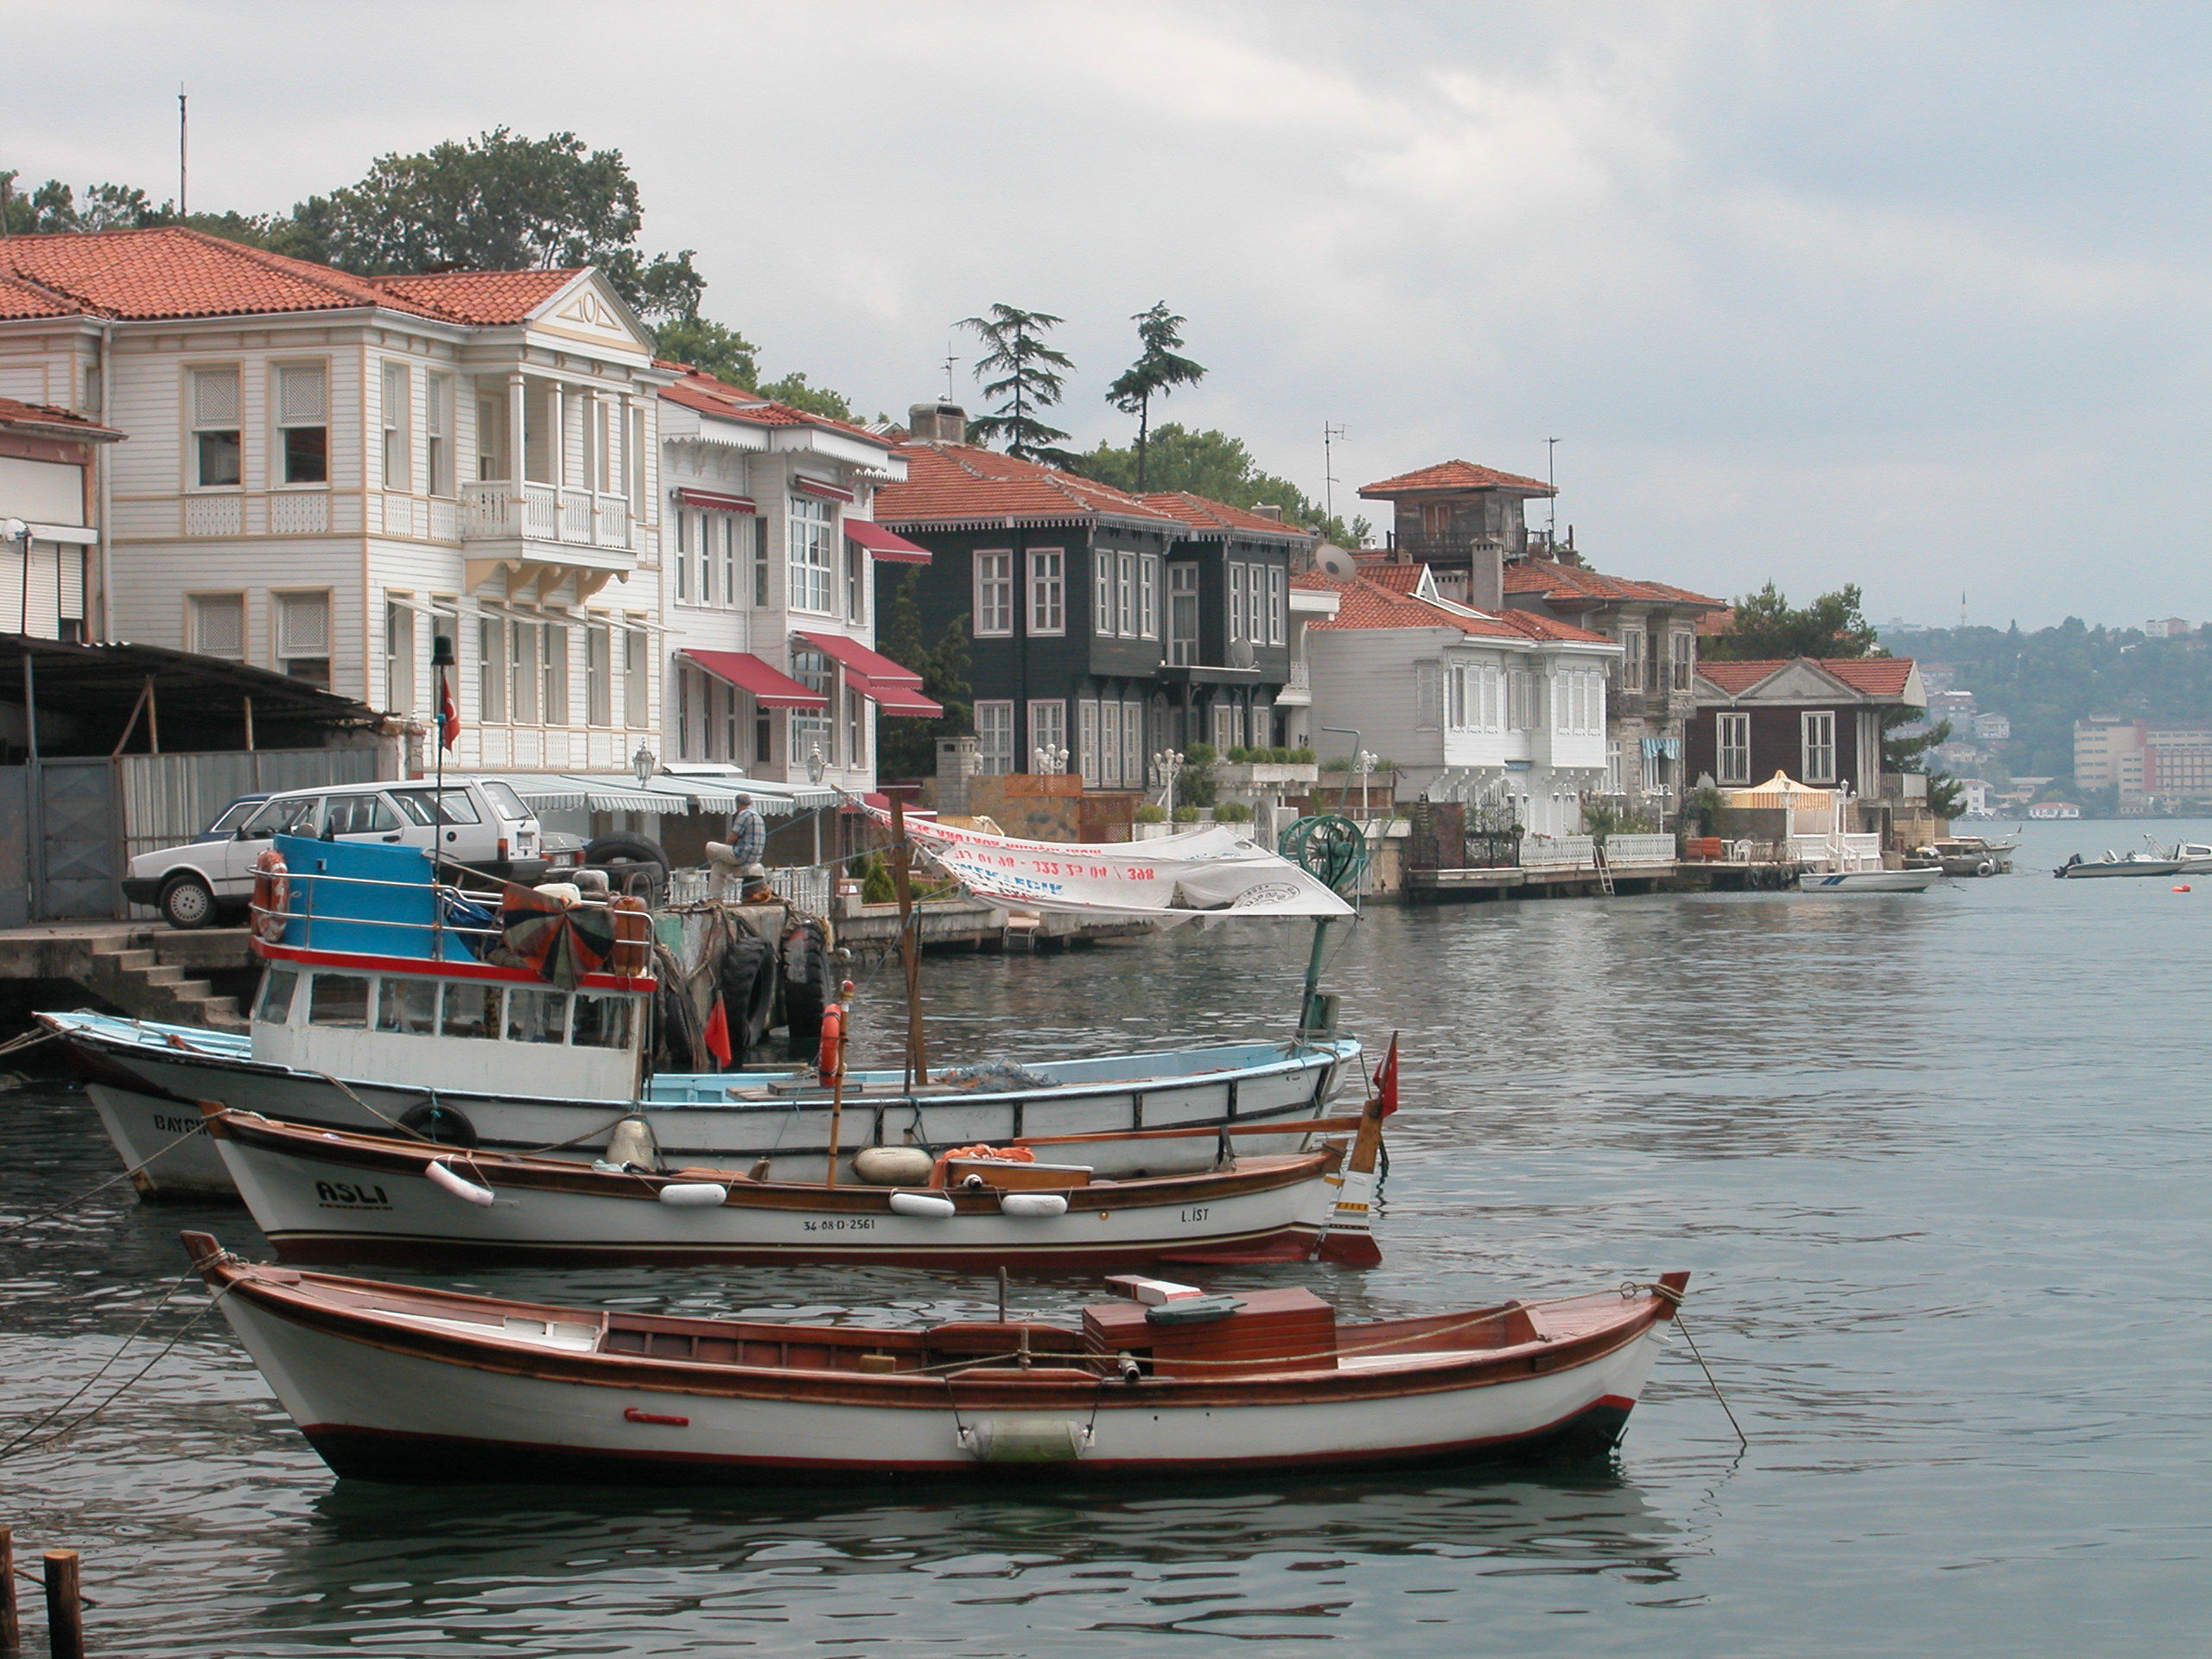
(58, 841)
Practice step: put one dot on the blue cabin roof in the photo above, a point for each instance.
(368, 899)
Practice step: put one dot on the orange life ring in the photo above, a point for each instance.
(272, 897)
(832, 1058)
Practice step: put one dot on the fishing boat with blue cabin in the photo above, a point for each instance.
(521, 1022)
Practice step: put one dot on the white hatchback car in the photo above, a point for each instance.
(479, 823)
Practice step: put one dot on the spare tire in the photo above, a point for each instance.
(633, 863)
(806, 985)
(747, 979)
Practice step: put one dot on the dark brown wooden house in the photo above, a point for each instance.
(1817, 718)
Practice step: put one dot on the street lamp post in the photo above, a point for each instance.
(1167, 766)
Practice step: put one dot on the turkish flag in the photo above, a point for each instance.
(448, 714)
(1386, 1078)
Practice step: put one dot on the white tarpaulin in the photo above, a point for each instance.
(1214, 870)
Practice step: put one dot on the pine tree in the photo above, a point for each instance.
(1157, 372)
(1029, 380)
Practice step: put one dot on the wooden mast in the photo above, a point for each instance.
(910, 948)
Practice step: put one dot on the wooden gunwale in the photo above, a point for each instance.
(979, 1387)
(1260, 1174)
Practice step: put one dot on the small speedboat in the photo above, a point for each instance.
(1967, 856)
(325, 1195)
(2077, 868)
(1867, 880)
(394, 1382)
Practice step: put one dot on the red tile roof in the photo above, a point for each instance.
(1871, 676)
(1397, 575)
(947, 481)
(1452, 475)
(1204, 512)
(702, 391)
(1366, 605)
(1569, 584)
(13, 411)
(175, 272)
(1316, 581)
(1718, 621)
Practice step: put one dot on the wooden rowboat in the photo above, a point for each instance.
(393, 1382)
(323, 1195)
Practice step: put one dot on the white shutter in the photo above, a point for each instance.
(218, 625)
(72, 583)
(303, 624)
(1086, 747)
(300, 394)
(1133, 745)
(215, 398)
(1426, 718)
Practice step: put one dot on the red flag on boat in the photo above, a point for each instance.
(718, 1034)
(448, 713)
(1386, 1078)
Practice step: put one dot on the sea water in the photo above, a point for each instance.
(1938, 1162)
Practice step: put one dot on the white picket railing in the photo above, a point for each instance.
(1639, 850)
(1545, 852)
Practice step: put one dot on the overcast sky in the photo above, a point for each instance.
(1907, 295)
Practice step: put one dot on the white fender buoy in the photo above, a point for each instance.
(1032, 1204)
(923, 1204)
(459, 1186)
(693, 1195)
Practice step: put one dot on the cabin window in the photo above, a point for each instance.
(537, 1016)
(277, 996)
(409, 1006)
(472, 1010)
(340, 999)
(601, 1021)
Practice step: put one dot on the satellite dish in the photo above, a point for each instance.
(1240, 653)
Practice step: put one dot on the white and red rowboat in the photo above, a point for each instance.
(322, 1195)
(392, 1383)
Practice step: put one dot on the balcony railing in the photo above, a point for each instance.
(545, 512)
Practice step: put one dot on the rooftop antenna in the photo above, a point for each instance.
(949, 361)
(1551, 477)
(1329, 436)
(183, 172)
(1962, 607)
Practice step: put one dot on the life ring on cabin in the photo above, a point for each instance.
(633, 931)
(832, 1057)
(272, 896)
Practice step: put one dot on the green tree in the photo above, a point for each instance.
(907, 749)
(1213, 463)
(1157, 372)
(1030, 379)
(794, 389)
(722, 352)
(1766, 627)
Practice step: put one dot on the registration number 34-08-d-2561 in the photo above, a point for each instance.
(856, 1224)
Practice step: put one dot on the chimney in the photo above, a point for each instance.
(1269, 511)
(938, 422)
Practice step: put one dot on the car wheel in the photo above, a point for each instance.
(187, 903)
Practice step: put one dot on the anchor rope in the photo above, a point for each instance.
(25, 1439)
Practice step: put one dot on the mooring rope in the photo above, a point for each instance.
(200, 1127)
(27, 1434)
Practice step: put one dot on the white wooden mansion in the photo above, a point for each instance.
(1506, 707)
(324, 472)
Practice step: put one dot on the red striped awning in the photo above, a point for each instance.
(827, 491)
(770, 687)
(858, 658)
(887, 548)
(716, 501)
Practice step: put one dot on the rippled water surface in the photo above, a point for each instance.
(1940, 1165)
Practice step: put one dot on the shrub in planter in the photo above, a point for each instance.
(1186, 814)
(1150, 813)
(1232, 812)
(1301, 757)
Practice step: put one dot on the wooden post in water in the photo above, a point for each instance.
(64, 1610)
(910, 948)
(11, 1626)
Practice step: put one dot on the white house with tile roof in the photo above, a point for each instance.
(327, 471)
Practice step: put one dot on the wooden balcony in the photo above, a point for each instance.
(558, 513)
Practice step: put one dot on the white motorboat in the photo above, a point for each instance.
(396, 1383)
(1848, 881)
(2077, 868)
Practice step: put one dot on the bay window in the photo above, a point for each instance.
(813, 529)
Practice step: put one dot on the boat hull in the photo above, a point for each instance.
(2103, 869)
(320, 1197)
(378, 1408)
(1849, 881)
(145, 1080)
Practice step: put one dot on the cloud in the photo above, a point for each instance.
(1908, 295)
